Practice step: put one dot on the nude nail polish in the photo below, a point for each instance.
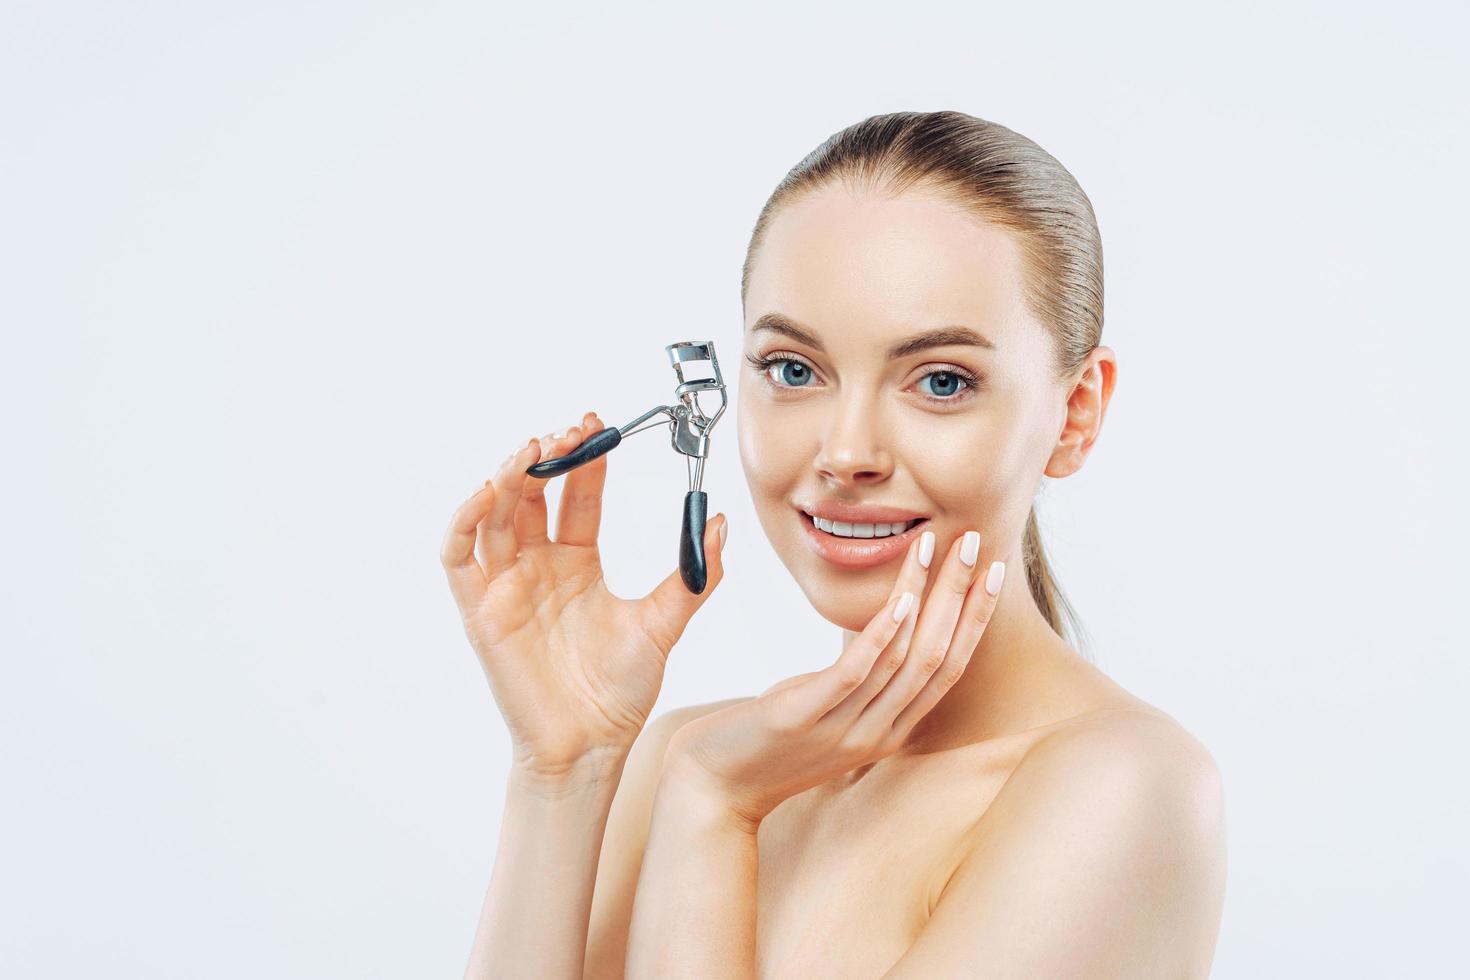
(926, 548)
(970, 547)
(901, 610)
(994, 576)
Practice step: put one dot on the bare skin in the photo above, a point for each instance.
(952, 854)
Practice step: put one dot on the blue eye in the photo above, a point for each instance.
(796, 373)
(949, 387)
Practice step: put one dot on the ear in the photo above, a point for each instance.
(1086, 404)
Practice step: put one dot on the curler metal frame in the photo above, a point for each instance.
(689, 430)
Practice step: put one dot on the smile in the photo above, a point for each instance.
(859, 545)
(845, 529)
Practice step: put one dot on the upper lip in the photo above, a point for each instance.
(836, 510)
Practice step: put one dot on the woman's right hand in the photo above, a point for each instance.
(574, 669)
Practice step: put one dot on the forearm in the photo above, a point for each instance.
(535, 918)
(694, 914)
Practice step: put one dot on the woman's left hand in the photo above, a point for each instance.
(814, 727)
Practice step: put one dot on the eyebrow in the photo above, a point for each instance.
(939, 337)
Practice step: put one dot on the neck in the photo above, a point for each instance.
(1009, 682)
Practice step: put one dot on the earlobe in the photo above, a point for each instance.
(1086, 405)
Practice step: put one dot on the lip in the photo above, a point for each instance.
(836, 510)
(858, 552)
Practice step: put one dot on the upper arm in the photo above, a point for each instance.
(624, 839)
(1102, 856)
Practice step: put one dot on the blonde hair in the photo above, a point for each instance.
(1001, 177)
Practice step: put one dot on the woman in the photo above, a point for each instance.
(959, 793)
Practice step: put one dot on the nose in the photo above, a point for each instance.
(851, 450)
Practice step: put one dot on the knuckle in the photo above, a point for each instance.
(892, 661)
(950, 673)
(857, 741)
(931, 659)
(893, 740)
(847, 679)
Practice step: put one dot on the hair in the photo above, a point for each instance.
(996, 175)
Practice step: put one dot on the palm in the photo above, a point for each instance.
(573, 668)
(575, 651)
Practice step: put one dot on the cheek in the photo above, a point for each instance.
(767, 450)
(984, 471)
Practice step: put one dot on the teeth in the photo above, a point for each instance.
(845, 529)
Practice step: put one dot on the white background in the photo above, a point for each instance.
(283, 282)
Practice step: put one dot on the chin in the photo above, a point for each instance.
(846, 599)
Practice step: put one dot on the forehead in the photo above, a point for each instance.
(874, 263)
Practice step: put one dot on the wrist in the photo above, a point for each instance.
(598, 770)
(691, 794)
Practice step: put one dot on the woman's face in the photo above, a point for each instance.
(841, 422)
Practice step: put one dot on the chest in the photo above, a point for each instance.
(847, 879)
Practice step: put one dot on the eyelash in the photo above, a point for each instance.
(973, 381)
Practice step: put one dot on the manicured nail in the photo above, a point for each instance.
(926, 548)
(902, 609)
(724, 526)
(994, 576)
(970, 547)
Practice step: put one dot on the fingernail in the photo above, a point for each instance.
(724, 526)
(902, 609)
(994, 576)
(970, 547)
(926, 548)
(531, 442)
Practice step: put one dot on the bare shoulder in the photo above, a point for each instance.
(1101, 855)
(1138, 768)
(1128, 736)
(625, 837)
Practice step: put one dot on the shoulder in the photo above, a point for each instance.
(1128, 746)
(1136, 780)
(1104, 849)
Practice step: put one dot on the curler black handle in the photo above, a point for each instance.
(598, 444)
(692, 568)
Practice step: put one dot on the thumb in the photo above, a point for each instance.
(671, 605)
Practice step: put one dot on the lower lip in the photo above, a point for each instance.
(858, 552)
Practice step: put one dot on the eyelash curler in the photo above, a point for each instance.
(689, 434)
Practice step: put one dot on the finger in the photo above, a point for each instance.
(498, 544)
(974, 617)
(457, 553)
(807, 703)
(579, 510)
(786, 682)
(933, 635)
(531, 515)
(668, 608)
(912, 577)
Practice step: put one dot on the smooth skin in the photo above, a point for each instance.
(816, 727)
(958, 794)
(1092, 844)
